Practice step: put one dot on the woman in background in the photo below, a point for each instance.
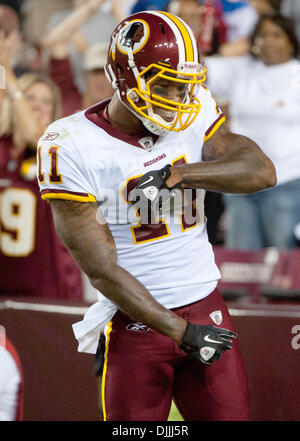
(263, 90)
(33, 260)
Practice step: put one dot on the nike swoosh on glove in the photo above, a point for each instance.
(206, 342)
(152, 193)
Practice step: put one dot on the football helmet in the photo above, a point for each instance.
(145, 48)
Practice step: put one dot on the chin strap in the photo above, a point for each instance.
(150, 125)
(154, 128)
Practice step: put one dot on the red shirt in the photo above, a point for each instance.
(62, 74)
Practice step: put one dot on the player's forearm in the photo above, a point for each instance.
(82, 229)
(243, 170)
(134, 299)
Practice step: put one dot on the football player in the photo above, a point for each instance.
(126, 181)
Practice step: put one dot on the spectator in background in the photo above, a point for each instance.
(205, 18)
(33, 260)
(10, 16)
(24, 56)
(291, 8)
(264, 93)
(146, 5)
(36, 15)
(240, 18)
(97, 26)
(57, 42)
(266, 6)
(10, 24)
(189, 11)
(97, 86)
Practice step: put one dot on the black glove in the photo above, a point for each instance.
(206, 342)
(148, 195)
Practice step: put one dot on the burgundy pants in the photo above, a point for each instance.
(145, 370)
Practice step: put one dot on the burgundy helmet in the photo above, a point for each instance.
(148, 46)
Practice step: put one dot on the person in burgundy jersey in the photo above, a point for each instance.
(58, 41)
(33, 260)
(168, 333)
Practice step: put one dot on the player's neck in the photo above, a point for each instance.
(121, 118)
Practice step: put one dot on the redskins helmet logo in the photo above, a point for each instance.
(133, 36)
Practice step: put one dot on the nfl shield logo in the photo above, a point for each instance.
(147, 143)
(207, 352)
(216, 317)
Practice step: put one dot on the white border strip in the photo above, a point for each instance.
(81, 310)
(260, 313)
(23, 306)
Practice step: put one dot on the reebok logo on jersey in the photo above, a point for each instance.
(137, 327)
(50, 136)
(216, 317)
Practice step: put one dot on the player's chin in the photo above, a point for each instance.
(167, 115)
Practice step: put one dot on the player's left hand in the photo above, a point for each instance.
(206, 343)
(152, 191)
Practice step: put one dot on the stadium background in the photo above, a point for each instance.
(262, 287)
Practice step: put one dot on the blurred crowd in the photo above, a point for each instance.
(53, 55)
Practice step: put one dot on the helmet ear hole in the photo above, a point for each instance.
(162, 29)
(120, 71)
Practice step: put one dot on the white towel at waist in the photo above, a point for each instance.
(87, 331)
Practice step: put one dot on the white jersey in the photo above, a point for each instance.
(83, 158)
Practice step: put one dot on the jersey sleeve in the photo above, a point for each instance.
(211, 115)
(61, 169)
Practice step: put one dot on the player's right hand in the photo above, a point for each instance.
(152, 193)
(206, 342)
